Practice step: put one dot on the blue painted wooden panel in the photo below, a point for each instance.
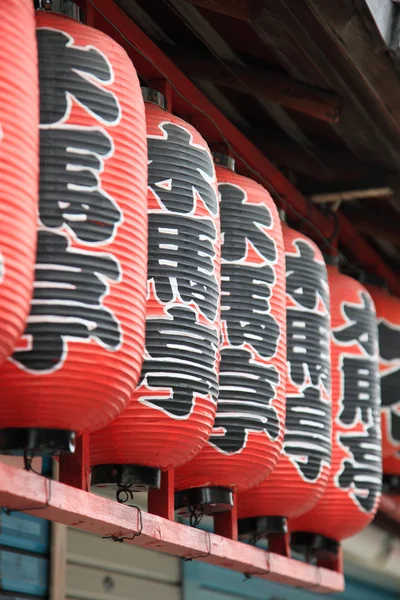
(205, 582)
(24, 532)
(23, 573)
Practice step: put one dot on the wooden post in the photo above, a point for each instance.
(279, 543)
(226, 523)
(164, 87)
(75, 468)
(161, 502)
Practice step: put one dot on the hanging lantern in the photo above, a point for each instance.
(391, 475)
(388, 315)
(248, 431)
(19, 165)
(354, 487)
(301, 475)
(170, 415)
(77, 364)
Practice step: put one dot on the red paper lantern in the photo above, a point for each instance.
(77, 363)
(19, 165)
(391, 474)
(248, 431)
(301, 475)
(354, 487)
(170, 415)
(388, 315)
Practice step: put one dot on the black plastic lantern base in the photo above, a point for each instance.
(391, 484)
(313, 546)
(258, 528)
(134, 477)
(209, 500)
(34, 441)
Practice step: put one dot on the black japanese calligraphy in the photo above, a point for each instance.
(389, 341)
(243, 222)
(245, 306)
(362, 472)
(71, 194)
(180, 355)
(359, 328)
(389, 350)
(179, 170)
(308, 352)
(182, 260)
(390, 395)
(69, 289)
(360, 389)
(74, 72)
(306, 277)
(246, 389)
(307, 440)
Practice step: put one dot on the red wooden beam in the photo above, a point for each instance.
(20, 489)
(189, 102)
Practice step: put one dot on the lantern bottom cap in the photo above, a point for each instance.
(257, 528)
(209, 500)
(135, 477)
(391, 484)
(36, 441)
(312, 545)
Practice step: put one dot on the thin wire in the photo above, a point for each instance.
(268, 185)
(116, 538)
(208, 537)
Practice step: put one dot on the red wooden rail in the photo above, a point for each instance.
(26, 491)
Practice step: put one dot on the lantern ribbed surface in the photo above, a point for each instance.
(78, 362)
(248, 431)
(388, 315)
(170, 415)
(301, 475)
(354, 487)
(19, 165)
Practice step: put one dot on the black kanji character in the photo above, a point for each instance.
(360, 389)
(246, 389)
(394, 425)
(308, 352)
(180, 356)
(241, 222)
(360, 327)
(308, 441)
(306, 277)
(390, 396)
(389, 341)
(71, 161)
(182, 253)
(245, 305)
(362, 472)
(68, 303)
(179, 171)
(67, 71)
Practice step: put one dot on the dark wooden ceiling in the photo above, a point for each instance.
(313, 83)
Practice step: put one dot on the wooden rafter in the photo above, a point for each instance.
(264, 83)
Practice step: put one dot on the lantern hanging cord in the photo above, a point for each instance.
(208, 538)
(120, 539)
(196, 515)
(124, 489)
(267, 184)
